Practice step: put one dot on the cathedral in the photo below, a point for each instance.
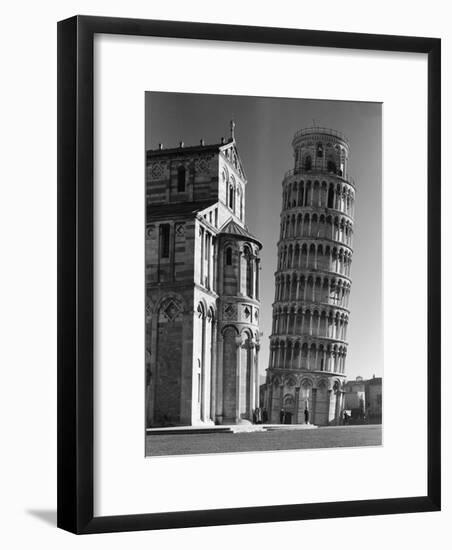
(202, 288)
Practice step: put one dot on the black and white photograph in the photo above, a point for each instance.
(263, 274)
(225, 259)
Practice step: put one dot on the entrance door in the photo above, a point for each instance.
(289, 408)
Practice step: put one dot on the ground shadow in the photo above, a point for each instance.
(47, 516)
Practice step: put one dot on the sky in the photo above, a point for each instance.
(264, 128)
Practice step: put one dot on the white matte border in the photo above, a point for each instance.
(126, 482)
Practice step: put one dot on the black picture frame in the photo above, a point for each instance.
(76, 263)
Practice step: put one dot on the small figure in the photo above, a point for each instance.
(282, 414)
(258, 415)
(306, 416)
(264, 416)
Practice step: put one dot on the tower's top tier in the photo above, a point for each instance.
(321, 150)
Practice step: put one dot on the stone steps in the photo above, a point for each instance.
(231, 429)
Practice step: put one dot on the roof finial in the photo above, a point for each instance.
(232, 129)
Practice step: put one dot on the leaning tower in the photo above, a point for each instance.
(308, 344)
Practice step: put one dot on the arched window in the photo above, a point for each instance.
(231, 197)
(331, 166)
(319, 150)
(249, 272)
(181, 179)
(330, 197)
(308, 163)
(229, 256)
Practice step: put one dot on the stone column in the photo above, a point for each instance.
(209, 262)
(253, 379)
(281, 398)
(238, 342)
(297, 404)
(204, 411)
(219, 380)
(202, 256)
(253, 277)
(256, 368)
(239, 274)
(213, 370)
(215, 265)
(258, 261)
(313, 404)
(270, 403)
(337, 412)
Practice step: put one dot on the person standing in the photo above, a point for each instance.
(259, 415)
(306, 416)
(282, 415)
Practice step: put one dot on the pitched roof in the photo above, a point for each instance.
(231, 227)
(168, 210)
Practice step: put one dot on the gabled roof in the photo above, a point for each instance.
(231, 144)
(231, 227)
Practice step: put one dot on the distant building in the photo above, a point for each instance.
(355, 399)
(374, 400)
(363, 400)
(202, 288)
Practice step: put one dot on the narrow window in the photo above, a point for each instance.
(231, 197)
(319, 150)
(181, 179)
(229, 256)
(249, 274)
(330, 198)
(164, 240)
(308, 163)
